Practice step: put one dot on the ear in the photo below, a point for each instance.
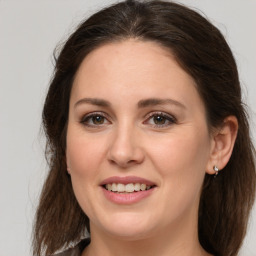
(223, 140)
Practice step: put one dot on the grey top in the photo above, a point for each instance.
(76, 251)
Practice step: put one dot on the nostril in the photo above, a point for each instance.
(122, 164)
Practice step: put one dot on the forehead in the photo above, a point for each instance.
(145, 59)
(127, 56)
(133, 68)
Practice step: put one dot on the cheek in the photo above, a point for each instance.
(83, 155)
(181, 155)
(181, 162)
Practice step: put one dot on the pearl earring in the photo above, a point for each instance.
(216, 169)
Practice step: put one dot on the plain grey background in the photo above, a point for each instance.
(30, 30)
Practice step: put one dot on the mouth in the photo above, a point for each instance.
(127, 188)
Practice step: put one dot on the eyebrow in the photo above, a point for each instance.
(141, 104)
(155, 101)
(93, 101)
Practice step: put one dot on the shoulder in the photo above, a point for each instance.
(70, 252)
(75, 251)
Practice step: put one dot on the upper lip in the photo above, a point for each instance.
(126, 180)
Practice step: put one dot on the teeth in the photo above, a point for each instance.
(120, 187)
(137, 187)
(143, 187)
(114, 187)
(128, 188)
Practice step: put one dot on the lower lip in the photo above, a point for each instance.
(127, 198)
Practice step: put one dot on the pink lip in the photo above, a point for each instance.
(127, 180)
(127, 198)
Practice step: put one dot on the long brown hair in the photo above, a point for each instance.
(202, 52)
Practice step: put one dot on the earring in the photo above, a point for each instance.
(216, 169)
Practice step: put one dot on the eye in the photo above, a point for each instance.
(160, 120)
(95, 119)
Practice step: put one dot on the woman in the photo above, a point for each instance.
(148, 140)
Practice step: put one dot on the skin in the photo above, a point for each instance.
(174, 154)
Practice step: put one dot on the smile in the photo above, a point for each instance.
(127, 188)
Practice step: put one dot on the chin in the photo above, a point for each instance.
(128, 226)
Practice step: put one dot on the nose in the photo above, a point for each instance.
(125, 149)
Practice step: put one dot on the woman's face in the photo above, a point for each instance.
(138, 145)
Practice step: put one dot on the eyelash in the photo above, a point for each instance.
(167, 118)
(85, 120)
